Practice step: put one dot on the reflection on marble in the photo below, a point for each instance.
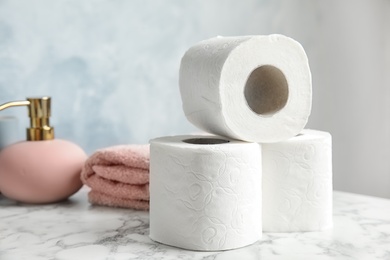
(76, 230)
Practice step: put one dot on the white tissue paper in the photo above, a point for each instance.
(205, 196)
(297, 183)
(251, 88)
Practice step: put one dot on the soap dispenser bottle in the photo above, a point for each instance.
(41, 169)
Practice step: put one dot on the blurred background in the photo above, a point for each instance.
(111, 68)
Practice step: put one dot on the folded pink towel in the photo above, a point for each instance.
(118, 176)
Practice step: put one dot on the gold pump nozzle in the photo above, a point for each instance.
(39, 110)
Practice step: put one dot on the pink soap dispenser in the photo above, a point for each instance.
(41, 169)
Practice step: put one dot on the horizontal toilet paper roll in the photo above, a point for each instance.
(297, 183)
(205, 192)
(251, 88)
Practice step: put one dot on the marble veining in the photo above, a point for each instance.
(74, 229)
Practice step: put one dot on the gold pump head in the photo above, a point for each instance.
(39, 111)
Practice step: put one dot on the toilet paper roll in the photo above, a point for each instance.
(205, 192)
(297, 183)
(251, 88)
(8, 131)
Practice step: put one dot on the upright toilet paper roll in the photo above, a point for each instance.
(297, 183)
(205, 192)
(252, 88)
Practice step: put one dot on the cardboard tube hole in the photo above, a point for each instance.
(205, 141)
(266, 90)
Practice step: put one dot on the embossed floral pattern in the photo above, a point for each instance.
(297, 184)
(211, 195)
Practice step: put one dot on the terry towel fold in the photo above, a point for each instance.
(118, 176)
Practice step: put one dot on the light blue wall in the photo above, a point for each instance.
(111, 68)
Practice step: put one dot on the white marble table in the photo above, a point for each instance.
(76, 230)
